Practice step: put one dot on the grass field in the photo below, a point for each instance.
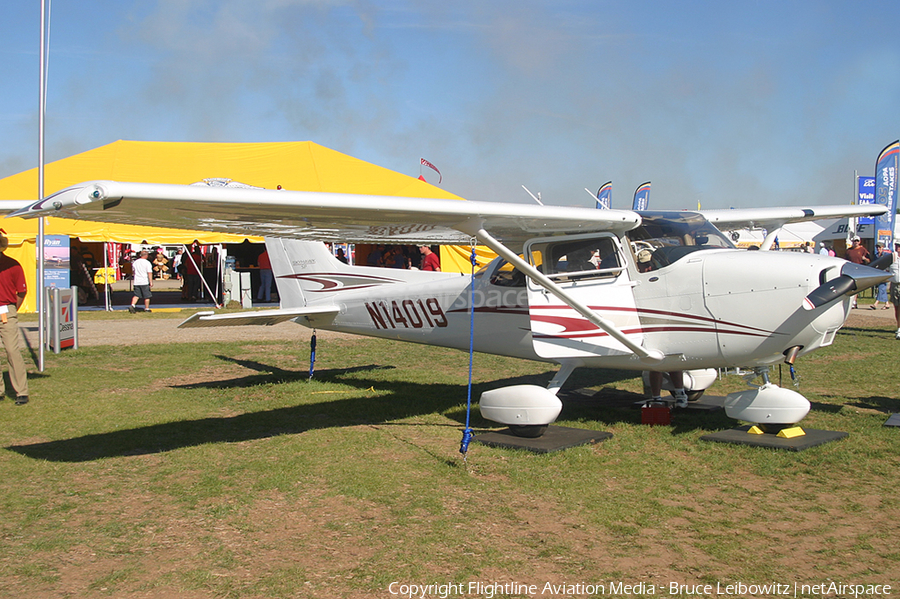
(219, 470)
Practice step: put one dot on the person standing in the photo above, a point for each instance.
(857, 254)
(265, 277)
(13, 289)
(192, 262)
(143, 281)
(430, 260)
(677, 379)
(176, 263)
(895, 285)
(881, 290)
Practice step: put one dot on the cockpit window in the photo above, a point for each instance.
(665, 237)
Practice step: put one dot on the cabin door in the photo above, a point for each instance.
(591, 269)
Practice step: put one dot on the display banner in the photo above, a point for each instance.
(604, 196)
(641, 197)
(865, 195)
(886, 192)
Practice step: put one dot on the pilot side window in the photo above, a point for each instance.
(571, 259)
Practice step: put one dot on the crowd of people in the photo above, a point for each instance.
(154, 265)
(422, 257)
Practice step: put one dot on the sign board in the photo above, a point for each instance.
(62, 318)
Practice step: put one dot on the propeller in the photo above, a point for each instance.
(884, 262)
(853, 278)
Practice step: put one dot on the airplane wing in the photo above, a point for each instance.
(320, 216)
(773, 218)
(504, 227)
(261, 317)
(7, 206)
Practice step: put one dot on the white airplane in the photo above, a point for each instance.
(660, 291)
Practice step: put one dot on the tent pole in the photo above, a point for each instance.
(106, 270)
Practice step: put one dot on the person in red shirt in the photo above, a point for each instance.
(857, 253)
(193, 261)
(265, 277)
(430, 260)
(13, 290)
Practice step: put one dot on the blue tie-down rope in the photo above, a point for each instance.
(312, 354)
(468, 433)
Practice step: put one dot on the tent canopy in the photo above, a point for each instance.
(302, 166)
(293, 165)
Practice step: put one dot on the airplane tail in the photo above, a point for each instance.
(307, 273)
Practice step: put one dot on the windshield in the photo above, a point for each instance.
(665, 237)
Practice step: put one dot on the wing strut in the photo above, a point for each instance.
(769, 241)
(538, 277)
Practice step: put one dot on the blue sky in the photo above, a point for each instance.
(732, 104)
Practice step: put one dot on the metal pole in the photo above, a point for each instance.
(106, 285)
(855, 220)
(40, 241)
(74, 290)
(54, 320)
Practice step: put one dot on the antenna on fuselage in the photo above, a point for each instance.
(537, 198)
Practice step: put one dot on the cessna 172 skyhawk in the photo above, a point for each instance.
(660, 291)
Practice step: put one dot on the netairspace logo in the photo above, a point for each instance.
(489, 590)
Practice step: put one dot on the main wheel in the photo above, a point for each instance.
(529, 431)
(691, 395)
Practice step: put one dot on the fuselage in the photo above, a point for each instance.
(701, 302)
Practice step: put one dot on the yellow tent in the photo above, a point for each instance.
(293, 165)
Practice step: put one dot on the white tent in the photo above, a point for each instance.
(792, 235)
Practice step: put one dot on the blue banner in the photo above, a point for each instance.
(604, 196)
(641, 197)
(886, 192)
(865, 195)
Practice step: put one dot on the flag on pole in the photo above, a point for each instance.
(604, 196)
(886, 192)
(423, 162)
(641, 197)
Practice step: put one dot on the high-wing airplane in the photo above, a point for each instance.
(648, 291)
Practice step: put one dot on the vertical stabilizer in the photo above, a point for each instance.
(290, 260)
(307, 273)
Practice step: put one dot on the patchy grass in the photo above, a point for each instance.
(219, 470)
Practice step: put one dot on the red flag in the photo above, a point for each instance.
(424, 162)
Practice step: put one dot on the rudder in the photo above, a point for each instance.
(306, 273)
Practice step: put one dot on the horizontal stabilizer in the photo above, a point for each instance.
(261, 317)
